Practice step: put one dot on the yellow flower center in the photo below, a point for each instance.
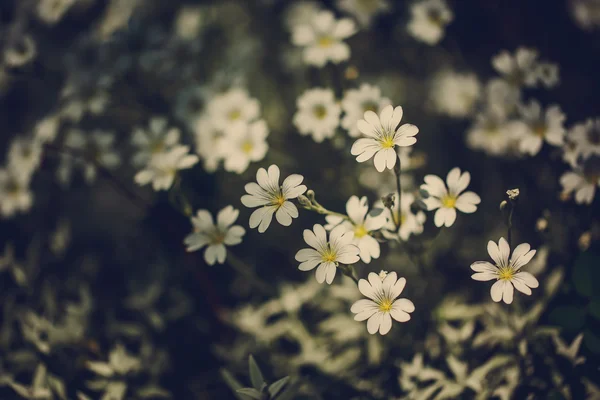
(279, 200)
(385, 305)
(360, 231)
(217, 237)
(247, 147)
(448, 201)
(325, 41)
(540, 130)
(387, 142)
(506, 273)
(234, 115)
(320, 111)
(370, 106)
(157, 147)
(329, 256)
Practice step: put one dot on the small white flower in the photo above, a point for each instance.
(120, 363)
(455, 94)
(493, 133)
(446, 200)
(362, 225)
(539, 126)
(24, 155)
(383, 304)
(318, 114)
(15, 194)
(383, 137)
(207, 143)
(272, 198)
(364, 10)
(586, 136)
(409, 223)
(323, 37)
(162, 168)
(583, 180)
(520, 69)
(358, 101)
(158, 138)
(327, 254)
(428, 20)
(242, 144)
(505, 270)
(46, 129)
(300, 13)
(232, 107)
(586, 13)
(51, 11)
(214, 236)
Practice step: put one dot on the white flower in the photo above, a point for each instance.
(318, 114)
(214, 236)
(505, 270)
(207, 143)
(583, 181)
(383, 304)
(358, 101)
(14, 192)
(232, 107)
(362, 225)
(409, 223)
(272, 198)
(383, 137)
(162, 168)
(120, 362)
(323, 37)
(586, 135)
(540, 126)
(242, 144)
(24, 155)
(46, 129)
(586, 13)
(364, 10)
(447, 200)
(455, 94)
(428, 20)
(493, 133)
(51, 11)
(327, 254)
(300, 13)
(520, 69)
(159, 138)
(569, 351)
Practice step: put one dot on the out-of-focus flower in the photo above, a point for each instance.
(323, 37)
(358, 101)
(383, 304)
(583, 180)
(493, 133)
(327, 253)
(586, 137)
(215, 236)
(15, 194)
(272, 198)
(232, 107)
(505, 270)
(242, 144)
(162, 168)
(52, 11)
(112, 374)
(207, 141)
(363, 226)
(39, 387)
(46, 129)
(318, 114)
(189, 22)
(428, 20)
(569, 351)
(20, 52)
(524, 69)
(586, 13)
(24, 155)
(78, 102)
(364, 10)
(383, 137)
(446, 200)
(410, 223)
(455, 94)
(301, 13)
(157, 139)
(540, 126)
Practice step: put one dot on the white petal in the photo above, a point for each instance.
(484, 276)
(362, 305)
(386, 324)
(226, 217)
(386, 115)
(405, 305)
(435, 186)
(521, 258)
(508, 292)
(467, 202)
(307, 254)
(496, 290)
(380, 160)
(520, 285)
(374, 323)
(450, 217)
(309, 265)
(397, 288)
(527, 279)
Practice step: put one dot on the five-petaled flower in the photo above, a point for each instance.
(383, 304)
(272, 198)
(506, 271)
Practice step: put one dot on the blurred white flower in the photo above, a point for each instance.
(323, 37)
(358, 101)
(162, 167)
(272, 198)
(586, 137)
(501, 98)
(214, 236)
(51, 11)
(383, 137)
(582, 180)
(364, 10)
(76, 104)
(493, 133)
(242, 144)
(120, 362)
(569, 351)
(446, 200)
(455, 94)
(318, 114)
(327, 253)
(506, 271)
(520, 69)
(39, 389)
(383, 304)
(362, 225)
(410, 223)
(15, 194)
(230, 108)
(539, 126)
(429, 19)
(586, 13)
(158, 138)
(46, 129)
(300, 13)
(207, 142)
(20, 51)
(189, 22)
(24, 155)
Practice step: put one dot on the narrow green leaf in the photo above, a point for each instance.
(233, 384)
(256, 376)
(250, 392)
(278, 386)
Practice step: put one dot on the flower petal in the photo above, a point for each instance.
(386, 324)
(374, 322)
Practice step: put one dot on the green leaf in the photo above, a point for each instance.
(594, 308)
(586, 273)
(592, 341)
(250, 392)
(233, 384)
(256, 376)
(570, 318)
(278, 386)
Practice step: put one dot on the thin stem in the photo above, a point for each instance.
(397, 171)
(509, 224)
(348, 270)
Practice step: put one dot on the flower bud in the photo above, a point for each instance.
(388, 200)
(423, 193)
(513, 194)
(304, 201)
(503, 205)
